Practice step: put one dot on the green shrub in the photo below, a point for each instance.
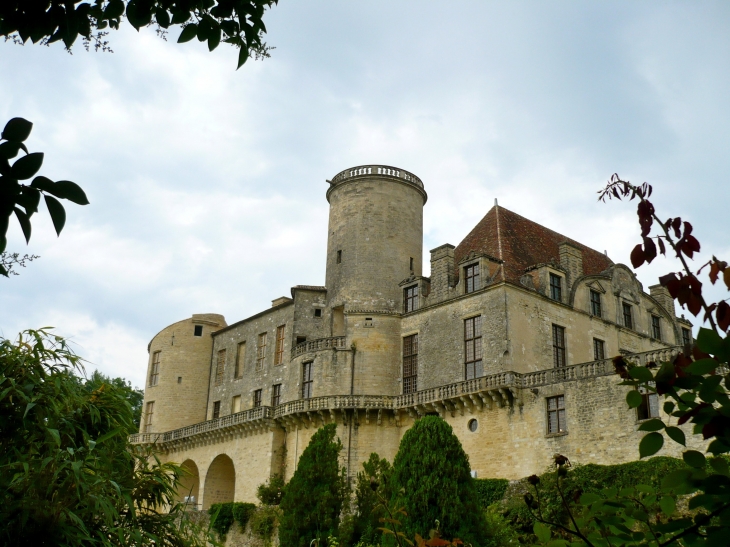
(221, 518)
(242, 513)
(490, 490)
(271, 491)
(366, 516)
(312, 501)
(264, 521)
(432, 480)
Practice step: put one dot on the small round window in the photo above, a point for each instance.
(472, 425)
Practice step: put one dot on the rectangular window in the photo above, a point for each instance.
(236, 404)
(411, 298)
(339, 257)
(198, 330)
(686, 337)
(240, 356)
(279, 348)
(216, 409)
(628, 316)
(558, 346)
(276, 395)
(149, 411)
(556, 414)
(220, 367)
(649, 407)
(318, 312)
(556, 287)
(261, 351)
(410, 364)
(411, 268)
(596, 303)
(599, 349)
(257, 398)
(656, 327)
(471, 276)
(307, 380)
(473, 347)
(155, 369)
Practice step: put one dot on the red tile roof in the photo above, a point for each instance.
(522, 243)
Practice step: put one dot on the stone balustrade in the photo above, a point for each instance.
(333, 342)
(382, 170)
(500, 388)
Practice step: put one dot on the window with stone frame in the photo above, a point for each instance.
(307, 380)
(472, 281)
(149, 412)
(261, 351)
(198, 330)
(556, 422)
(410, 364)
(473, 347)
(686, 336)
(649, 407)
(656, 327)
(596, 303)
(275, 395)
(410, 298)
(279, 349)
(216, 409)
(236, 404)
(220, 367)
(628, 314)
(240, 357)
(257, 398)
(599, 349)
(155, 369)
(556, 287)
(558, 346)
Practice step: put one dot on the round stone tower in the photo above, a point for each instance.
(176, 387)
(375, 242)
(375, 237)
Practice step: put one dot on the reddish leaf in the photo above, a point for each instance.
(717, 426)
(714, 272)
(723, 315)
(620, 365)
(637, 256)
(691, 413)
(709, 310)
(661, 246)
(649, 250)
(681, 362)
(726, 278)
(645, 210)
(694, 304)
(693, 243)
(698, 354)
(676, 223)
(687, 229)
(671, 282)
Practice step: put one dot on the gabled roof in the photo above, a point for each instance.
(522, 243)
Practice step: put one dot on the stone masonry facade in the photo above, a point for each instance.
(509, 340)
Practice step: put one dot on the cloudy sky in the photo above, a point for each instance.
(207, 184)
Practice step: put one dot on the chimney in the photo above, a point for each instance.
(279, 301)
(571, 259)
(442, 272)
(661, 295)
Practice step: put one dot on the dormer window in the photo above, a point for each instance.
(556, 287)
(628, 316)
(471, 276)
(595, 303)
(656, 327)
(410, 297)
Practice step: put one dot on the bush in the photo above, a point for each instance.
(221, 518)
(312, 501)
(366, 517)
(242, 513)
(432, 480)
(490, 490)
(271, 491)
(264, 521)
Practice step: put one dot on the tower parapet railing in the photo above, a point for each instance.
(501, 388)
(381, 170)
(332, 342)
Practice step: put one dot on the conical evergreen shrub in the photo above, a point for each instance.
(432, 480)
(313, 499)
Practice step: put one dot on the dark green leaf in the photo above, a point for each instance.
(188, 33)
(9, 149)
(720, 465)
(633, 398)
(542, 532)
(114, 10)
(677, 435)
(709, 341)
(668, 505)
(650, 444)
(652, 425)
(27, 166)
(71, 191)
(242, 56)
(703, 366)
(29, 198)
(669, 407)
(694, 459)
(17, 129)
(642, 374)
(43, 183)
(214, 38)
(162, 17)
(58, 214)
(24, 223)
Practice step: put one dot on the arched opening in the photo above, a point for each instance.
(188, 489)
(220, 481)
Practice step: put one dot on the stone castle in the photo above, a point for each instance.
(509, 340)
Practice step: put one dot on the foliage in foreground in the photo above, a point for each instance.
(68, 475)
(313, 499)
(432, 481)
(695, 388)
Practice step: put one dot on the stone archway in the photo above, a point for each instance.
(188, 490)
(220, 481)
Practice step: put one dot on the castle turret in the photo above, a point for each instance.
(375, 241)
(176, 390)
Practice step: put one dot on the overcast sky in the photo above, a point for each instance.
(207, 184)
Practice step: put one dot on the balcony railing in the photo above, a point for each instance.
(318, 344)
(498, 385)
